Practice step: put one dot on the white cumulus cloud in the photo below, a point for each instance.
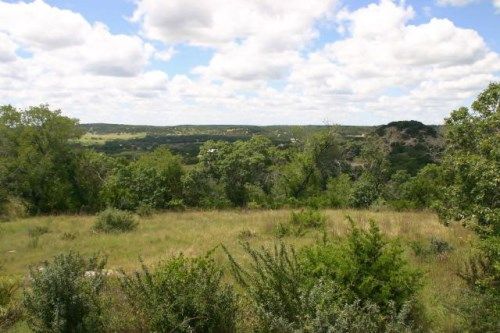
(268, 63)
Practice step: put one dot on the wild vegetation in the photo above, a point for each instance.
(308, 277)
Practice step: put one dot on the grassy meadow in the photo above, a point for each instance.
(27, 242)
(89, 139)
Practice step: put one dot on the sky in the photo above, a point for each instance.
(261, 62)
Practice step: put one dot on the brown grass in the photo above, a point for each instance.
(196, 232)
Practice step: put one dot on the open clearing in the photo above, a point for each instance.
(195, 232)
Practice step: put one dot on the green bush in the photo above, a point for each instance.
(481, 273)
(176, 204)
(144, 210)
(275, 283)
(434, 246)
(10, 311)
(182, 295)
(308, 218)
(199, 189)
(364, 192)
(115, 220)
(292, 294)
(153, 179)
(64, 295)
(339, 191)
(12, 208)
(281, 230)
(366, 266)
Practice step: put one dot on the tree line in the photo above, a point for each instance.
(44, 170)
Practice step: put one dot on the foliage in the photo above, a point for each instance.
(410, 145)
(36, 146)
(274, 282)
(425, 189)
(308, 171)
(367, 267)
(90, 174)
(154, 179)
(470, 168)
(307, 218)
(364, 192)
(115, 220)
(182, 295)
(12, 208)
(64, 297)
(199, 189)
(362, 284)
(282, 230)
(339, 191)
(471, 163)
(238, 165)
(144, 210)
(10, 311)
(434, 246)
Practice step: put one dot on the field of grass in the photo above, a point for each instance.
(194, 233)
(89, 139)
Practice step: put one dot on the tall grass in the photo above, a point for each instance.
(194, 233)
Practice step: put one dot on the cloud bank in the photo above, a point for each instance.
(273, 62)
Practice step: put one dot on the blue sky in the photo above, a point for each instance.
(248, 62)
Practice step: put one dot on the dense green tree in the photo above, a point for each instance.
(309, 170)
(471, 169)
(339, 191)
(472, 163)
(38, 158)
(365, 191)
(425, 189)
(200, 189)
(91, 172)
(240, 164)
(154, 180)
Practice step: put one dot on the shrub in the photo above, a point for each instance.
(12, 208)
(63, 297)
(176, 204)
(480, 311)
(339, 190)
(274, 282)
(10, 312)
(435, 246)
(289, 296)
(366, 266)
(364, 191)
(38, 231)
(440, 246)
(115, 220)
(182, 295)
(34, 235)
(308, 218)
(144, 210)
(247, 234)
(202, 190)
(153, 179)
(281, 230)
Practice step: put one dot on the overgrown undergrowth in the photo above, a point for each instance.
(193, 233)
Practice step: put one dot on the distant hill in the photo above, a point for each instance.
(229, 130)
(410, 144)
(408, 140)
